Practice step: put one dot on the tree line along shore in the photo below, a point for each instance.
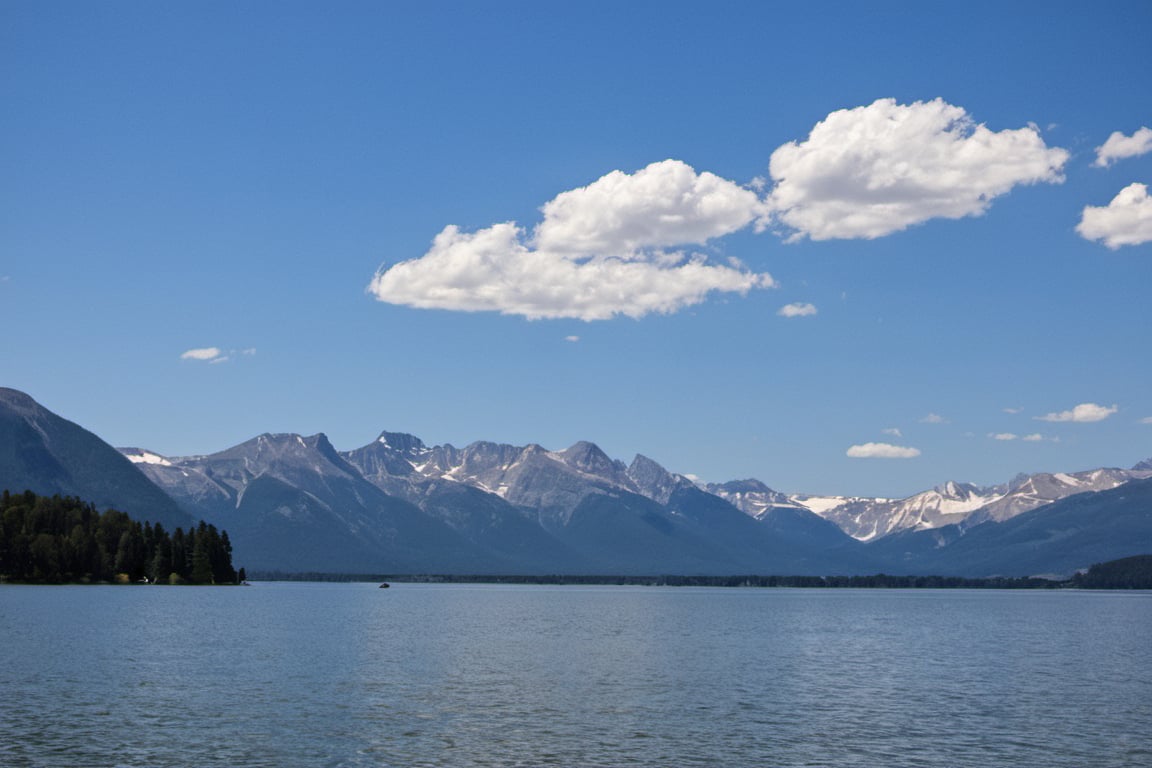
(1127, 573)
(61, 539)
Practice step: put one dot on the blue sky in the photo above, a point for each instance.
(218, 219)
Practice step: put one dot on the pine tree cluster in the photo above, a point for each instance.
(64, 539)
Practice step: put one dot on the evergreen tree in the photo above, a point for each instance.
(201, 556)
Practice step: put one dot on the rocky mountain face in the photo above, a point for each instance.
(487, 508)
(753, 497)
(42, 452)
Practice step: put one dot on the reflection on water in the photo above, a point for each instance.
(443, 675)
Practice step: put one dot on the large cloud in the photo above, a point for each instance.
(1127, 220)
(494, 270)
(599, 252)
(1118, 146)
(871, 171)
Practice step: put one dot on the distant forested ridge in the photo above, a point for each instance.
(1125, 573)
(58, 539)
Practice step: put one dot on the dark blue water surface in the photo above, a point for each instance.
(291, 674)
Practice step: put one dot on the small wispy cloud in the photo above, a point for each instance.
(1083, 413)
(797, 309)
(893, 431)
(1145, 420)
(215, 355)
(201, 353)
(572, 339)
(933, 418)
(1012, 410)
(882, 451)
(1118, 147)
(1035, 437)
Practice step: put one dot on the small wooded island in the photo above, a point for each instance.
(61, 539)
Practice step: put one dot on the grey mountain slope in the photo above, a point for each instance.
(293, 503)
(42, 452)
(780, 541)
(614, 518)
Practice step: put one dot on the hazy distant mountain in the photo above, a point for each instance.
(870, 519)
(41, 452)
(752, 496)
(1058, 538)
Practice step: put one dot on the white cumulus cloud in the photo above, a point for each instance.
(1085, 412)
(797, 309)
(662, 205)
(878, 169)
(1033, 438)
(1003, 436)
(882, 451)
(1127, 220)
(1118, 146)
(202, 353)
(599, 252)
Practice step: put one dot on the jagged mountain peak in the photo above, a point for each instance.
(587, 457)
(748, 485)
(402, 442)
(1143, 466)
(653, 481)
(279, 449)
(955, 490)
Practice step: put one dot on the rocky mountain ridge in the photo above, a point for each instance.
(295, 503)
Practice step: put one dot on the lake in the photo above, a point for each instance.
(302, 674)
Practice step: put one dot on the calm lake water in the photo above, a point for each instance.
(289, 674)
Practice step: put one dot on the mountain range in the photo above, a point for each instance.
(294, 503)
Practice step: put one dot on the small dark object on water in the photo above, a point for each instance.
(385, 585)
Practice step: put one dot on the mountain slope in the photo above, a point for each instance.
(42, 452)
